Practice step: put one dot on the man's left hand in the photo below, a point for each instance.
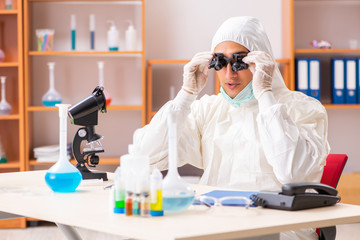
(262, 67)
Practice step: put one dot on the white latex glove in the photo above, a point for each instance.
(262, 67)
(196, 72)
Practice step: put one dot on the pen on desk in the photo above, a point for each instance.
(107, 187)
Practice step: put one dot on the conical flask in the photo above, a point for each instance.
(5, 107)
(101, 82)
(51, 97)
(2, 54)
(63, 176)
(177, 194)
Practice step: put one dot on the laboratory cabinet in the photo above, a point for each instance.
(11, 67)
(77, 34)
(12, 135)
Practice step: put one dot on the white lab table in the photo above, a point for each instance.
(26, 194)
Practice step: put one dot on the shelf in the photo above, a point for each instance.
(9, 64)
(8, 12)
(324, 51)
(10, 117)
(125, 2)
(10, 165)
(103, 161)
(77, 53)
(341, 106)
(115, 107)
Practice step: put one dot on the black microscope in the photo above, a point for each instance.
(85, 114)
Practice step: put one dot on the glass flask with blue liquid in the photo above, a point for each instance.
(177, 194)
(51, 97)
(63, 177)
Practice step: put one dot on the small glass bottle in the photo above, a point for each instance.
(129, 203)
(51, 97)
(5, 107)
(145, 204)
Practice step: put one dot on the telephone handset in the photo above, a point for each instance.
(294, 196)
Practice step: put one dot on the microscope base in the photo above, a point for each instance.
(87, 174)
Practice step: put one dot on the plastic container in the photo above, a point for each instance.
(119, 192)
(63, 177)
(45, 39)
(131, 37)
(113, 37)
(156, 194)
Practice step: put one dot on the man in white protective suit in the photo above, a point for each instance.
(256, 134)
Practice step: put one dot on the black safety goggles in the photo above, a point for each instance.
(219, 61)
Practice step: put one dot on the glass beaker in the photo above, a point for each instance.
(63, 176)
(177, 194)
(51, 97)
(5, 107)
(101, 82)
(3, 158)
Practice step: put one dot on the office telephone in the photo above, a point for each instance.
(294, 196)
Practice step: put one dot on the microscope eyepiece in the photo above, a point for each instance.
(84, 112)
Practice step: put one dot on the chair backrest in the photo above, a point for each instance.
(335, 164)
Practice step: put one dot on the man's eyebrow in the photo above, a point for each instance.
(242, 52)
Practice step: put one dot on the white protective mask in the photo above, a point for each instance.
(242, 98)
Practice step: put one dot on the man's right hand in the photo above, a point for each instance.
(196, 72)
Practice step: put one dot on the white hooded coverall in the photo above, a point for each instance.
(279, 139)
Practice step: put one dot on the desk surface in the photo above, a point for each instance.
(26, 194)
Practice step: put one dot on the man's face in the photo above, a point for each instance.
(232, 82)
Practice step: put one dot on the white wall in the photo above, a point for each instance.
(177, 29)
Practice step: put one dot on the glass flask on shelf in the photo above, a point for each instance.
(177, 194)
(63, 177)
(51, 97)
(101, 82)
(5, 107)
(3, 158)
(2, 54)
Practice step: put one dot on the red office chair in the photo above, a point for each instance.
(335, 164)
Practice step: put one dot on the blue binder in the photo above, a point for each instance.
(314, 78)
(358, 79)
(302, 75)
(351, 81)
(338, 80)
